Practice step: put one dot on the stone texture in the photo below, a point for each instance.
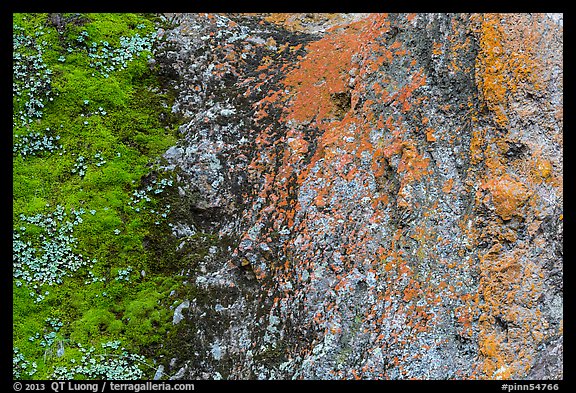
(387, 188)
(178, 315)
(159, 373)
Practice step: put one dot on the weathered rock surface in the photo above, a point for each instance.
(388, 189)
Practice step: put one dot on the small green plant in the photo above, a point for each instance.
(111, 363)
(31, 82)
(106, 59)
(36, 143)
(48, 258)
(22, 367)
(124, 274)
(142, 198)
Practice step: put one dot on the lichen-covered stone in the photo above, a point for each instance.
(387, 188)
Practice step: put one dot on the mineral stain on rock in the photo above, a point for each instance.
(386, 188)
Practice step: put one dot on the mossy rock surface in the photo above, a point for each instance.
(119, 122)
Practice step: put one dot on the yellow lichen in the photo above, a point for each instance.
(506, 61)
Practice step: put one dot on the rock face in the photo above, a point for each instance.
(387, 188)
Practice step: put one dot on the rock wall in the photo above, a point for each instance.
(387, 189)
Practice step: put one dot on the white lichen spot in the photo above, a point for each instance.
(216, 351)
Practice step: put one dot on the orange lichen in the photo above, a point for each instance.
(448, 186)
(508, 66)
(366, 137)
(322, 75)
(544, 168)
(412, 165)
(476, 148)
(493, 67)
(508, 195)
(430, 135)
(506, 61)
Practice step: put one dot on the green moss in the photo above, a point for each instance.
(145, 318)
(79, 85)
(110, 176)
(94, 324)
(136, 128)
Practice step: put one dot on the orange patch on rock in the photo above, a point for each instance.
(508, 195)
(448, 186)
(412, 164)
(322, 74)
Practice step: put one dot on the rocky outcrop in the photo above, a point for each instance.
(387, 188)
